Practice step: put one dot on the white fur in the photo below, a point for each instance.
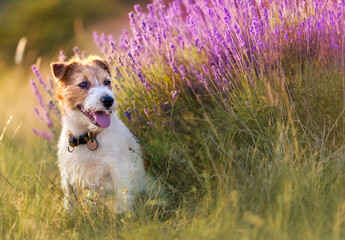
(116, 165)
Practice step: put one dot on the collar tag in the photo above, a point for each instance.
(92, 143)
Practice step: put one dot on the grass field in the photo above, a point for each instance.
(260, 158)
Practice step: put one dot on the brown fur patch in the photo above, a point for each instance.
(72, 73)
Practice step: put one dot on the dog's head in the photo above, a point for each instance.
(84, 91)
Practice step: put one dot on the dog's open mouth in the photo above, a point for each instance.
(99, 118)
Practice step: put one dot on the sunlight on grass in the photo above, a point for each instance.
(242, 119)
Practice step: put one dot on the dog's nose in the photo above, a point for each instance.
(107, 101)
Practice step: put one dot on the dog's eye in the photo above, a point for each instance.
(107, 82)
(84, 85)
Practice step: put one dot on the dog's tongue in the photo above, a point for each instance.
(102, 119)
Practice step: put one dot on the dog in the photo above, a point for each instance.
(95, 150)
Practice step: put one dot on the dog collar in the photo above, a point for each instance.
(87, 138)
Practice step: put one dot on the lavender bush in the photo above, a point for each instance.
(251, 58)
(213, 47)
(209, 42)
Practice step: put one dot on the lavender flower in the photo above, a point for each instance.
(97, 40)
(113, 47)
(266, 17)
(37, 93)
(146, 112)
(77, 52)
(128, 114)
(40, 79)
(137, 8)
(151, 10)
(62, 56)
(173, 50)
(174, 95)
(132, 22)
(38, 115)
(181, 41)
(191, 25)
(227, 18)
(43, 134)
(183, 72)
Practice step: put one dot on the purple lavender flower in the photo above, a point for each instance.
(62, 56)
(176, 7)
(36, 92)
(110, 38)
(141, 76)
(159, 42)
(97, 40)
(104, 38)
(227, 18)
(131, 58)
(38, 115)
(131, 17)
(208, 10)
(43, 134)
(183, 72)
(174, 95)
(181, 42)
(146, 112)
(173, 66)
(113, 47)
(144, 26)
(137, 8)
(51, 105)
(280, 14)
(266, 19)
(76, 52)
(151, 10)
(148, 86)
(164, 35)
(128, 114)
(40, 79)
(172, 47)
(335, 44)
(331, 18)
(191, 25)
(240, 40)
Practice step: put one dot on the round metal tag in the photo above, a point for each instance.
(92, 144)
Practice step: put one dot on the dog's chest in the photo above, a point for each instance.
(117, 160)
(90, 170)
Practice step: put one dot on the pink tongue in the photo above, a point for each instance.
(102, 119)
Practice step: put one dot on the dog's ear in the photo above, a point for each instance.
(103, 64)
(59, 70)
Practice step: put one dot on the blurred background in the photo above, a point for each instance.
(33, 32)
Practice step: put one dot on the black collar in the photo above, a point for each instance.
(86, 138)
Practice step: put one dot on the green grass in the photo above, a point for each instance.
(266, 164)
